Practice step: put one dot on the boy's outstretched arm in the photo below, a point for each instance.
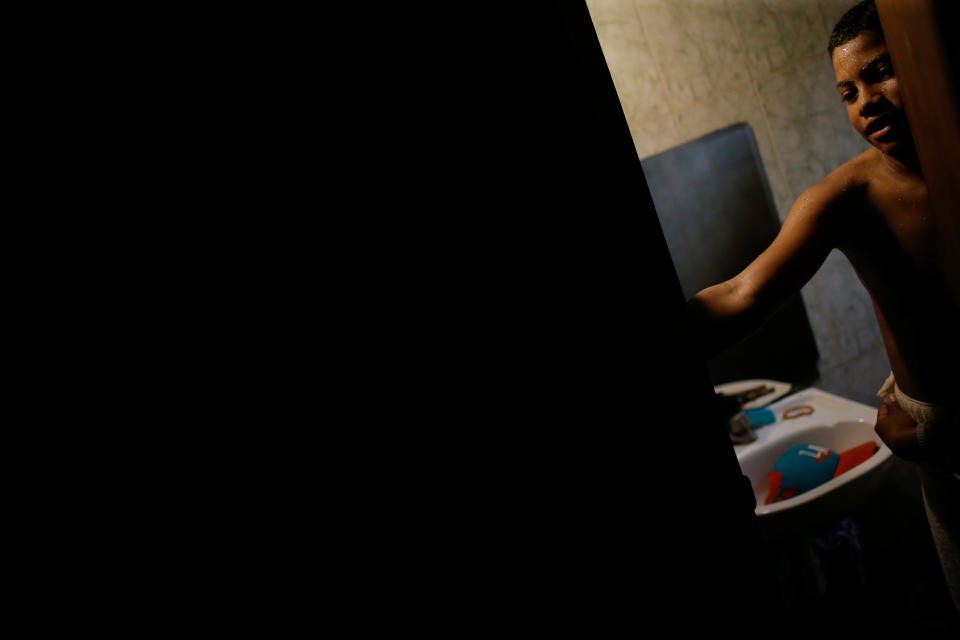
(720, 316)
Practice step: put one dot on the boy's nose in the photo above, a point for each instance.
(872, 103)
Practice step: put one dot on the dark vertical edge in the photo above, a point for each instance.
(924, 54)
(577, 476)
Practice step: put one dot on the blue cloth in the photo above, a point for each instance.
(760, 417)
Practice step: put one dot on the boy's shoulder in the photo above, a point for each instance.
(856, 172)
(847, 184)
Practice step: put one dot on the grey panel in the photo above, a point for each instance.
(717, 215)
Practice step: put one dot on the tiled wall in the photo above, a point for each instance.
(684, 68)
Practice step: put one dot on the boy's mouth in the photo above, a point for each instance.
(881, 127)
(880, 134)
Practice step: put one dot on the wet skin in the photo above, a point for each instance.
(869, 87)
(874, 208)
(889, 232)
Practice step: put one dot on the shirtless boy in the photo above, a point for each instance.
(874, 208)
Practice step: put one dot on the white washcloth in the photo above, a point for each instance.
(941, 491)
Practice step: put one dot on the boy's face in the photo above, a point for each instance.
(870, 90)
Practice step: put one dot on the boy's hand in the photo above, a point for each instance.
(898, 430)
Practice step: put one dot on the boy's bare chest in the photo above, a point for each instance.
(892, 244)
(898, 226)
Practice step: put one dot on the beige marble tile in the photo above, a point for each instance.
(808, 123)
(697, 47)
(653, 136)
(720, 110)
(776, 33)
(831, 12)
(594, 8)
(632, 66)
(610, 10)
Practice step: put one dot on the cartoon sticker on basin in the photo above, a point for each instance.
(826, 498)
(804, 467)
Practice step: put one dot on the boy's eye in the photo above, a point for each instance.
(880, 72)
(848, 97)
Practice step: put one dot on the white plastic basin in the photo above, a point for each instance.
(836, 423)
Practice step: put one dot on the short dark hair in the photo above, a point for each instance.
(862, 17)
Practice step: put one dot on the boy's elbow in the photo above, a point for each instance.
(722, 315)
(723, 302)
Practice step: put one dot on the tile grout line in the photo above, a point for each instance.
(823, 21)
(660, 74)
(781, 169)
